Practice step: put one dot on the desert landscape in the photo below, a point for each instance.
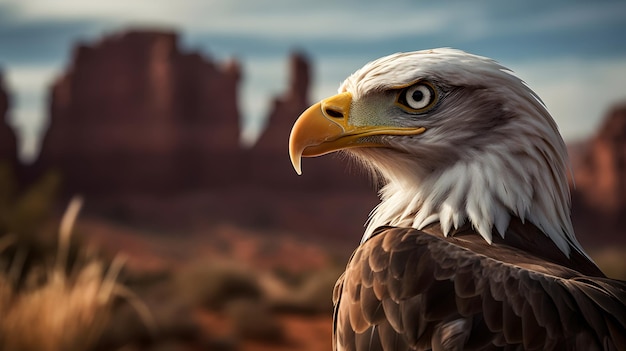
(146, 224)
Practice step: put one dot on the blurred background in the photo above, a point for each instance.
(147, 201)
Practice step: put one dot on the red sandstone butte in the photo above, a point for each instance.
(134, 113)
(599, 167)
(8, 141)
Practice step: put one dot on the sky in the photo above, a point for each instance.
(572, 53)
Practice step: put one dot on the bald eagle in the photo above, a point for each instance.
(472, 245)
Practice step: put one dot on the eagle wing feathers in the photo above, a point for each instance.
(406, 289)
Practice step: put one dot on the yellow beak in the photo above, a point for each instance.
(325, 127)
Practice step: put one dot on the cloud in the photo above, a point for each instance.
(577, 15)
(270, 18)
(510, 19)
(329, 20)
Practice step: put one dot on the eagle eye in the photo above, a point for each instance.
(418, 98)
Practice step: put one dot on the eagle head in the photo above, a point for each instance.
(455, 138)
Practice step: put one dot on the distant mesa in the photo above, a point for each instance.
(8, 141)
(133, 113)
(599, 167)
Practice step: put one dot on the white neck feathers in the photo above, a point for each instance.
(485, 191)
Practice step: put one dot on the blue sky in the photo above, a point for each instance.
(572, 53)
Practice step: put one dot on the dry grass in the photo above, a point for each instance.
(55, 309)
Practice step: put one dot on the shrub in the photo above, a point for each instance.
(55, 310)
(253, 320)
(213, 284)
(313, 295)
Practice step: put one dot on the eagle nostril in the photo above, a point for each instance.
(329, 111)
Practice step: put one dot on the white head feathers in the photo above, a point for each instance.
(490, 151)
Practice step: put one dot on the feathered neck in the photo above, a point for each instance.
(486, 191)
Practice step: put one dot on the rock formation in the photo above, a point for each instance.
(8, 142)
(135, 114)
(599, 167)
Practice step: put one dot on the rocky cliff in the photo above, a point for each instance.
(133, 113)
(8, 142)
(599, 194)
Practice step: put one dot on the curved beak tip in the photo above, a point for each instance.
(296, 157)
(297, 165)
